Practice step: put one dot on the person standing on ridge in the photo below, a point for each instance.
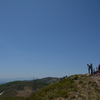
(99, 68)
(89, 67)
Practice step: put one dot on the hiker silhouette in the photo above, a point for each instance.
(90, 68)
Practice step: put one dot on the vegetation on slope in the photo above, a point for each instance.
(12, 98)
(15, 90)
(76, 87)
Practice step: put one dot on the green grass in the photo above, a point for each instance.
(59, 89)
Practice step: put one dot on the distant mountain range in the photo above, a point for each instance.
(6, 80)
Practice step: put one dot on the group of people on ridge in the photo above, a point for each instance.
(92, 70)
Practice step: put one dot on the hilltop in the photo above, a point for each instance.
(75, 87)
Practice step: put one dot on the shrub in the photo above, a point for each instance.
(63, 93)
(72, 97)
(76, 77)
(80, 82)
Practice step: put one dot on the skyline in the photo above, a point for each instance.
(42, 38)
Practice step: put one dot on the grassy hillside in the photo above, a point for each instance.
(76, 87)
(16, 89)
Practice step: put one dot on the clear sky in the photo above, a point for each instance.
(42, 38)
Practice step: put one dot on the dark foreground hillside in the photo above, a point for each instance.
(76, 87)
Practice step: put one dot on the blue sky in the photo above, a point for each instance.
(41, 38)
